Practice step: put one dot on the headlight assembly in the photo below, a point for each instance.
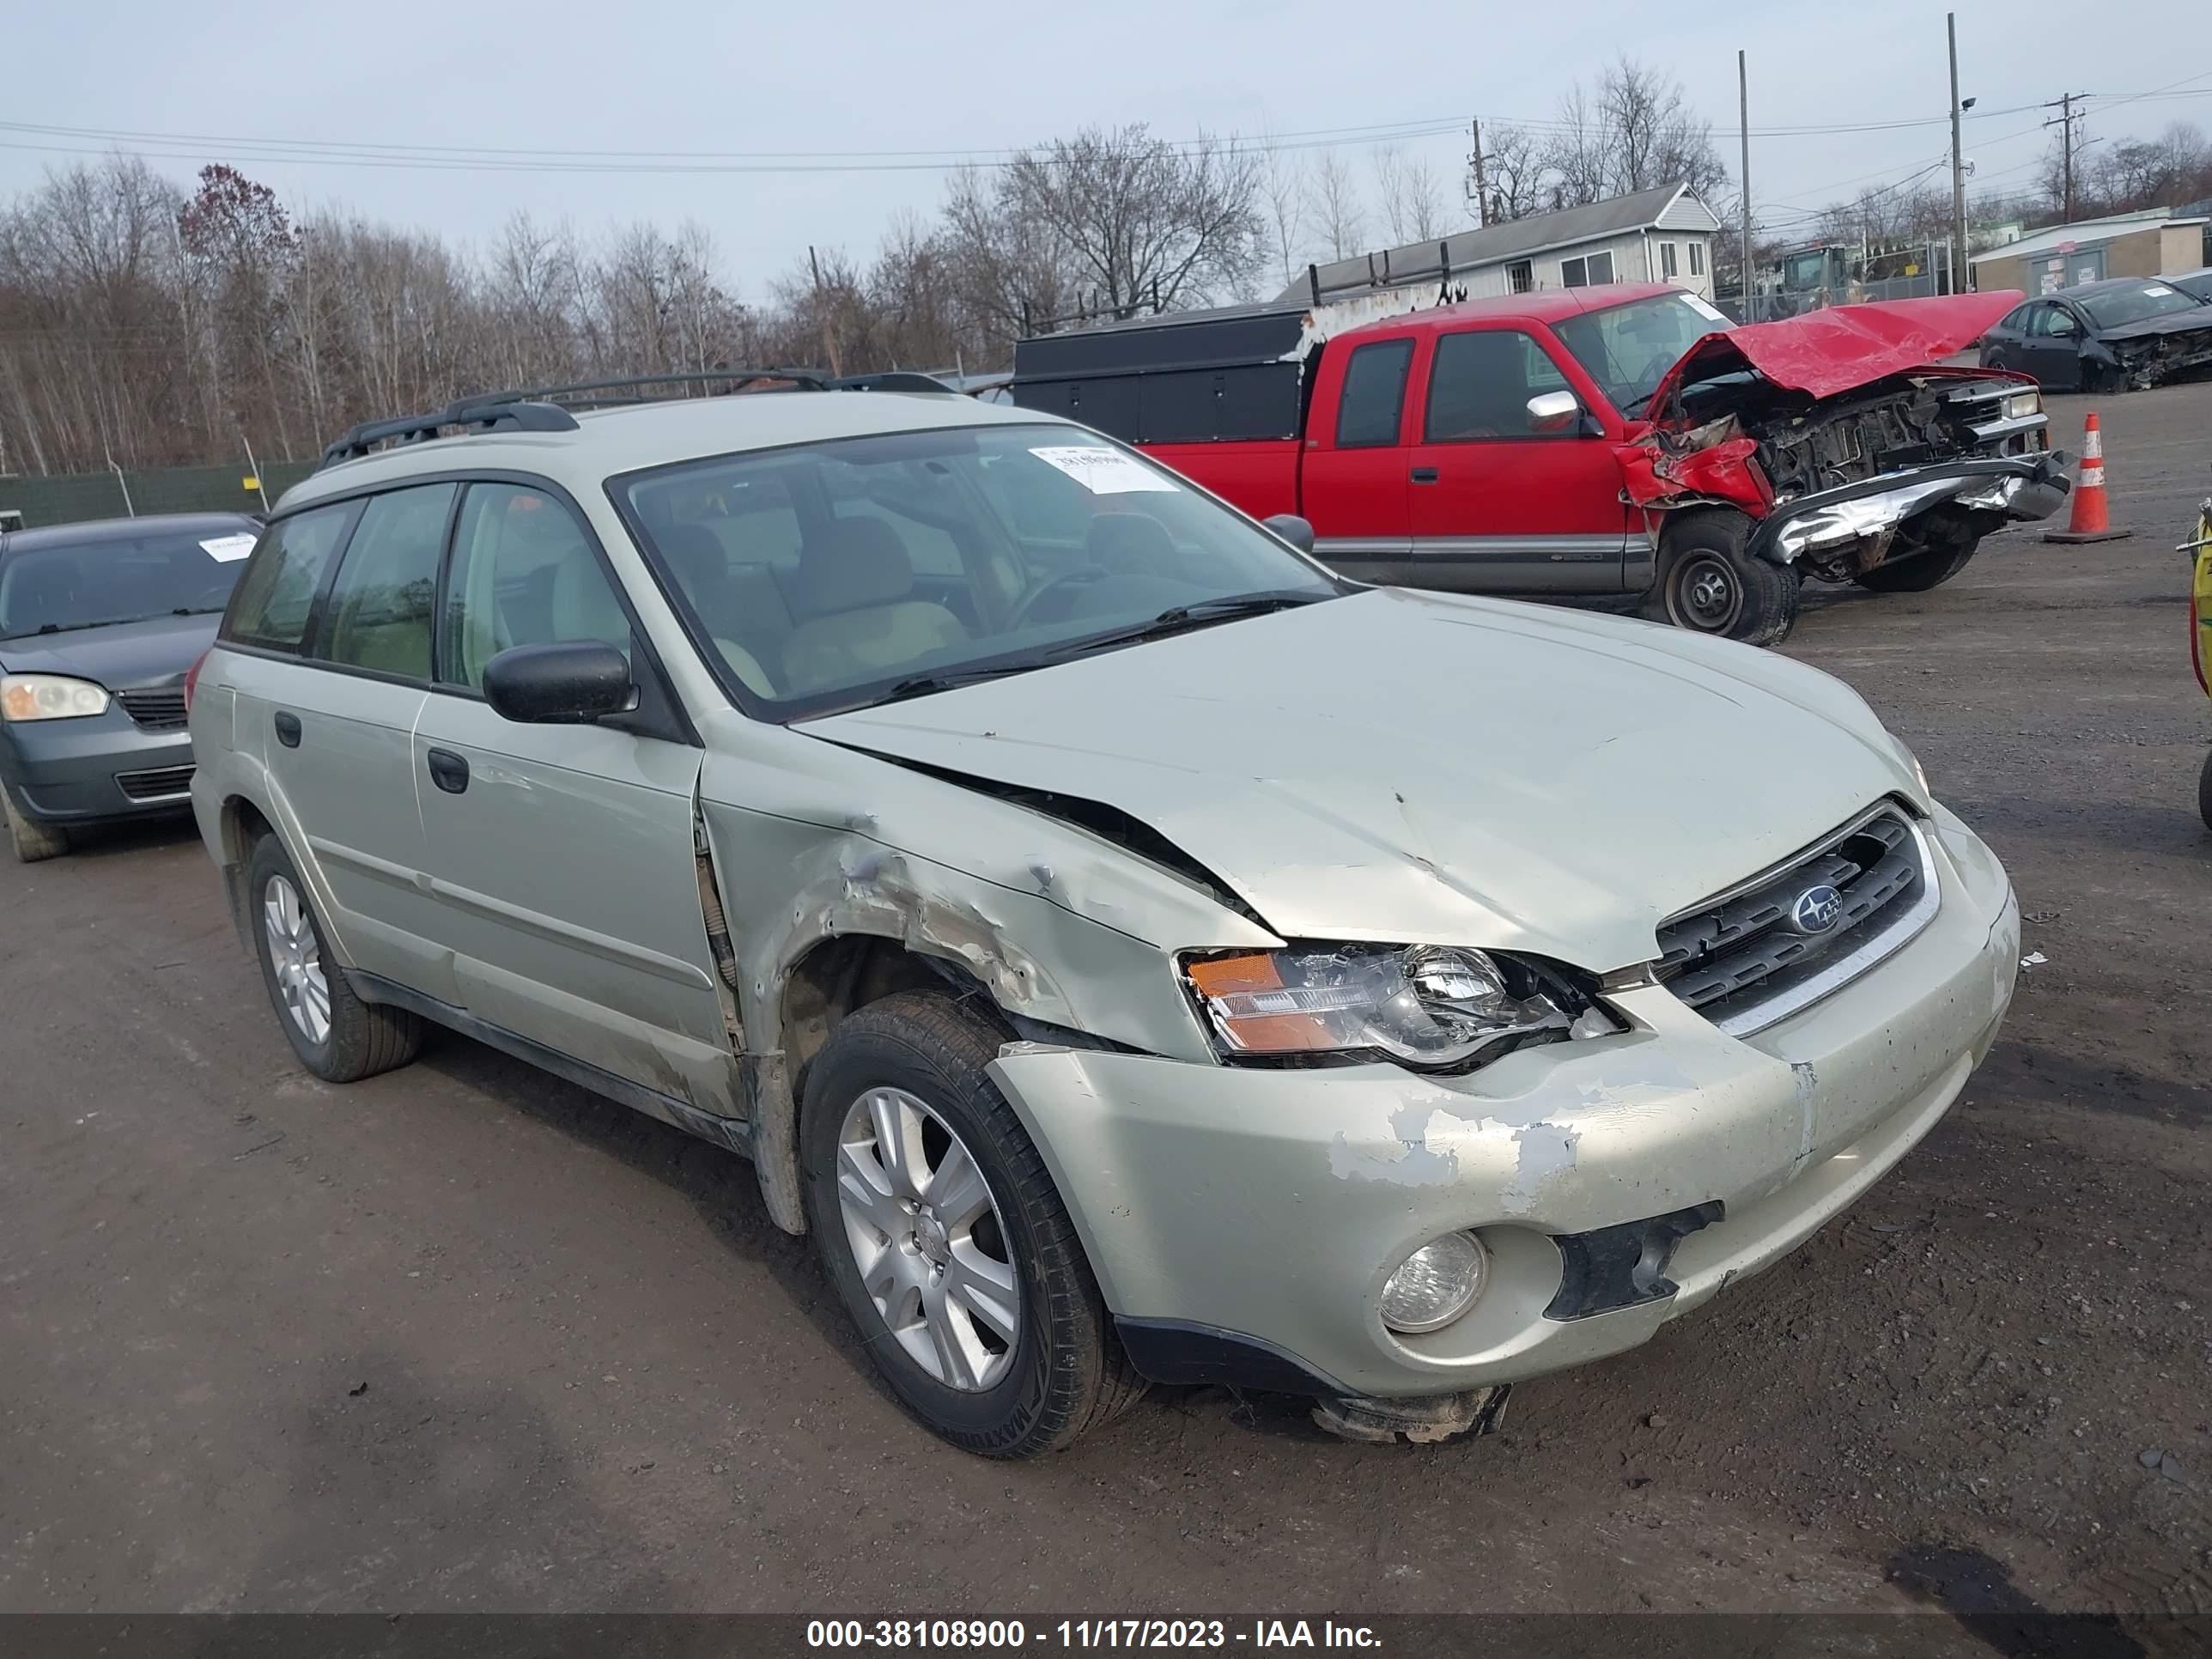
(50, 697)
(1428, 1005)
(2023, 403)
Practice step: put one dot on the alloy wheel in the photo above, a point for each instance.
(927, 1240)
(296, 955)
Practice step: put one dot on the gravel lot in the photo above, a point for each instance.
(466, 1337)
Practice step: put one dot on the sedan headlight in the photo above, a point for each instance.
(50, 697)
(1425, 1005)
(2023, 404)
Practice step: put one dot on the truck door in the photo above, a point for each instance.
(1500, 502)
(1352, 477)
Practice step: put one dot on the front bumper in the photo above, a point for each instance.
(1253, 1215)
(96, 769)
(1853, 526)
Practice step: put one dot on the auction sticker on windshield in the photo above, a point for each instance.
(224, 550)
(1103, 472)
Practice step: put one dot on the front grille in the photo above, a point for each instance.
(1745, 959)
(157, 711)
(160, 783)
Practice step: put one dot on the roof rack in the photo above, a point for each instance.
(547, 408)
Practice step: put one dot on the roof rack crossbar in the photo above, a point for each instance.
(540, 409)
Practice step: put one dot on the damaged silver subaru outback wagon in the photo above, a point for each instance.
(1130, 950)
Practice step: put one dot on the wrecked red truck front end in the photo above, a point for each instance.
(1846, 436)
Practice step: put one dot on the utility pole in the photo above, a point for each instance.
(2066, 117)
(821, 310)
(1481, 177)
(1958, 166)
(1743, 110)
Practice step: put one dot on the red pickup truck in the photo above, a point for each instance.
(1618, 439)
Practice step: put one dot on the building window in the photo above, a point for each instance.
(1697, 258)
(1520, 278)
(1587, 271)
(1665, 259)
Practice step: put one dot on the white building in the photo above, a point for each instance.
(1663, 234)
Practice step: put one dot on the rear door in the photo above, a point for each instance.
(561, 857)
(1498, 506)
(1352, 480)
(334, 737)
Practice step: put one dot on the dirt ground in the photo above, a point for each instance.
(467, 1338)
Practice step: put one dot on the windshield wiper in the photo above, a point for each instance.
(923, 685)
(1201, 613)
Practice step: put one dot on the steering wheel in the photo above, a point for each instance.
(1073, 579)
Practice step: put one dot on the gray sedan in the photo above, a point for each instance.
(100, 623)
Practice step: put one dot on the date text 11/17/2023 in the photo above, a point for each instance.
(1082, 1633)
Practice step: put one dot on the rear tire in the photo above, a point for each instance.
(1918, 572)
(2204, 792)
(894, 1100)
(1709, 583)
(33, 842)
(337, 1036)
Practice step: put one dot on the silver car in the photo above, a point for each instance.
(1131, 951)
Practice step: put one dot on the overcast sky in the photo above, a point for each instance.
(689, 76)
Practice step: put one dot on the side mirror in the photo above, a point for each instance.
(1555, 411)
(572, 683)
(1292, 529)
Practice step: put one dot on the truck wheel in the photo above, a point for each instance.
(1709, 583)
(2204, 792)
(32, 841)
(337, 1036)
(1918, 572)
(937, 1221)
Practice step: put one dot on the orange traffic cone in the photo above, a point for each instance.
(2090, 522)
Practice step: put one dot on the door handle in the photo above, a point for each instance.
(288, 729)
(1425, 475)
(449, 771)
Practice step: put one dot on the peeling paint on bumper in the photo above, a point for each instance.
(1274, 1203)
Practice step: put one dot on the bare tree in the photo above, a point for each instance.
(1138, 222)
(1338, 214)
(1513, 164)
(1282, 195)
(1635, 131)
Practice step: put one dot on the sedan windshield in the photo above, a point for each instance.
(54, 588)
(1628, 349)
(2135, 305)
(835, 575)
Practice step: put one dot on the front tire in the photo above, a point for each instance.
(1918, 572)
(337, 1036)
(2204, 792)
(937, 1221)
(32, 841)
(1709, 583)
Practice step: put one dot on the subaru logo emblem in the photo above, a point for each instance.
(1815, 910)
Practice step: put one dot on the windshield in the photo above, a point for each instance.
(115, 579)
(1627, 349)
(2133, 305)
(835, 574)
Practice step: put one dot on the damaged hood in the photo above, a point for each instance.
(2195, 321)
(1845, 347)
(1425, 767)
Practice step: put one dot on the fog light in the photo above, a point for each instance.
(1435, 1285)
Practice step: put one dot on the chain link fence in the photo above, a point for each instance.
(72, 497)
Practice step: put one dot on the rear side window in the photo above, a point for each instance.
(385, 592)
(1374, 394)
(276, 594)
(523, 574)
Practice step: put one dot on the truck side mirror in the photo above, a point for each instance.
(1555, 411)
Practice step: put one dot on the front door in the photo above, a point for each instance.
(2052, 346)
(1498, 506)
(561, 857)
(1353, 470)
